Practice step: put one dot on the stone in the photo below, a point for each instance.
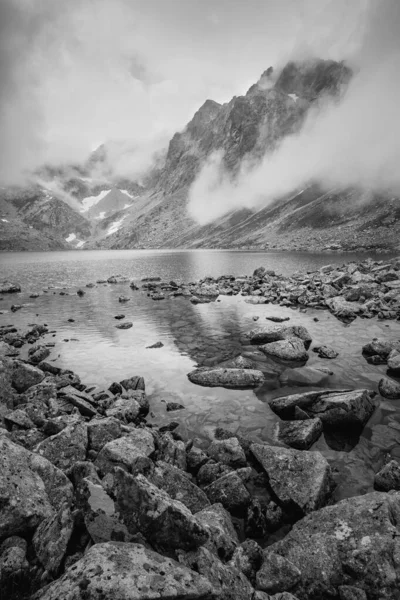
(18, 418)
(66, 447)
(389, 388)
(248, 558)
(304, 376)
(211, 471)
(173, 406)
(82, 401)
(277, 574)
(343, 310)
(195, 459)
(125, 325)
(350, 592)
(223, 538)
(171, 451)
(235, 379)
(25, 376)
(300, 434)
(125, 451)
(126, 410)
(6, 287)
(229, 582)
(38, 353)
(129, 572)
(393, 362)
(133, 383)
(262, 517)
(388, 478)
(51, 539)
(14, 568)
(230, 491)
(276, 333)
(30, 489)
(289, 350)
(353, 543)
(326, 352)
(302, 481)
(166, 523)
(102, 431)
(228, 452)
(178, 485)
(156, 345)
(380, 347)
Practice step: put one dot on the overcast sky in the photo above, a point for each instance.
(76, 73)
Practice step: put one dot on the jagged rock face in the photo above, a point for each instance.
(313, 78)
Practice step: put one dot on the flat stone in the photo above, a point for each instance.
(125, 325)
(276, 333)
(300, 434)
(300, 480)
(128, 572)
(289, 350)
(227, 378)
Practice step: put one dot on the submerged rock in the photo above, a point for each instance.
(302, 481)
(128, 572)
(227, 378)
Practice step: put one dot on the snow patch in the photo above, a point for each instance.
(101, 215)
(5, 221)
(80, 244)
(115, 226)
(126, 206)
(127, 193)
(71, 237)
(293, 97)
(90, 201)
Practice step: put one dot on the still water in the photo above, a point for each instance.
(101, 354)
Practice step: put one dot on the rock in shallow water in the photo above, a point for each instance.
(128, 572)
(276, 333)
(302, 481)
(227, 378)
(300, 434)
(288, 351)
(389, 388)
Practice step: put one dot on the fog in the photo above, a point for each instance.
(353, 143)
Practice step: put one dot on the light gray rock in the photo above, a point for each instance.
(102, 431)
(66, 447)
(125, 451)
(393, 362)
(223, 538)
(228, 378)
(126, 410)
(228, 452)
(290, 350)
(300, 434)
(381, 347)
(389, 388)
(177, 484)
(51, 539)
(170, 451)
(128, 572)
(302, 481)
(230, 491)
(275, 333)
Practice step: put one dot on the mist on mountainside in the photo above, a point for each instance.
(351, 143)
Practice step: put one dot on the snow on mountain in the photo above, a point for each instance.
(90, 201)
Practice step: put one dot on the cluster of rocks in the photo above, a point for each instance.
(97, 503)
(385, 352)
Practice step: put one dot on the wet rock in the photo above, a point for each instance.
(102, 431)
(277, 574)
(115, 388)
(389, 388)
(80, 293)
(51, 539)
(380, 347)
(197, 300)
(31, 489)
(331, 547)
(278, 319)
(211, 471)
(230, 491)
(227, 378)
(260, 272)
(166, 523)
(125, 451)
(239, 362)
(247, 558)
(25, 376)
(177, 485)
(38, 353)
(131, 572)
(6, 287)
(157, 296)
(304, 376)
(125, 325)
(229, 582)
(228, 452)
(173, 406)
(66, 447)
(326, 352)
(133, 383)
(393, 362)
(276, 333)
(290, 350)
(119, 317)
(223, 538)
(335, 408)
(117, 279)
(388, 477)
(300, 434)
(302, 481)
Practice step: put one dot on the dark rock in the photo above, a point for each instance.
(248, 558)
(393, 362)
(123, 299)
(126, 325)
(211, 471)
(156, 345)
(80, 293)
(116, 388)
(195, 459)
(128, 571)
(37, 354)
(389, 388)
(6, 287)
(380, 347)
(228, 452)
(302, 481)
(300, 434)
(119, 317)
(262, 518)
(230, 491)
(278, 319)
(326, 352)
(25, 376)
(173, 406)
(227, 378)
(277, 574)
(388, 477)
(82, 401)
(349, 592)
(133, 383)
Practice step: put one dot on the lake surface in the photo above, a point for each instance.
(101, 354)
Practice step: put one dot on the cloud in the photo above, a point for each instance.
(353, 143)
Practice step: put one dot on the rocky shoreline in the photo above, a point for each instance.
(96, 502)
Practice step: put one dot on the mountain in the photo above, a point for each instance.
(88, 207)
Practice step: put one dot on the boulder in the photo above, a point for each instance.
(235, 379)
(302, 481)
(389, 388)
(230, 491)
(51, 539)
(247, 558)
(102, 431)
(128, 572)
(177, 484)
(262, 517)
(223, 538)
(290, 350)
(304, 376)
(133, 383)
(125, 325)
(300, 434)
(353, 543)
(14, 568)
(326, 352)
(343, 310)
(211, 471)
(228, 452)
(393, 362)
(388, 478)
(38, 353)
(83, 402)
(277, 574)
(276, 333)
(126, 410)
(166, 523)
(171, 451)
(25, 376)
(66, 447)
(125, 451)
(380, 347)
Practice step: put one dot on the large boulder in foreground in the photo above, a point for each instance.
(302, 481)
(235, 379)
(335, 408)
(128, 572)
(290, 351)
(275, 333)
(353, 543)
